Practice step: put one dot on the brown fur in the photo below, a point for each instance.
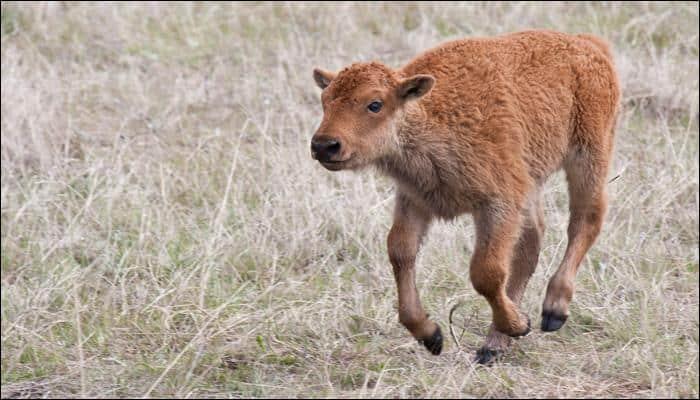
(503, 114)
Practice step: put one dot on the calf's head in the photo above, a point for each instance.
(363, 107)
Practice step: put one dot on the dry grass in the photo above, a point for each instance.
(166, 233)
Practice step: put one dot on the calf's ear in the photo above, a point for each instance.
(323, 78)
(415, 87)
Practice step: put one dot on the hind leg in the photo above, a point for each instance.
(586, 165)
(522, 267)
(586, 175)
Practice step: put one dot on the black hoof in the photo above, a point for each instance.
(487, 356)
(525, 332)
(552, 321)
(434, 342)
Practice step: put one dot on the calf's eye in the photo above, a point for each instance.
(375, 106)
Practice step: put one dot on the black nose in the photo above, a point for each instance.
(324, 150)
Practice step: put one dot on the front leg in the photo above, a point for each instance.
(524, 262)
(410, 225)
(497, 230)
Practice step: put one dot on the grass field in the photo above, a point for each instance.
(165, 231)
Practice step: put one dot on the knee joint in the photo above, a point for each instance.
(486, 283)
(401, 251)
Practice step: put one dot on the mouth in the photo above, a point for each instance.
(334, 165)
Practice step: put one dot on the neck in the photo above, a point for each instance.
(413, 164)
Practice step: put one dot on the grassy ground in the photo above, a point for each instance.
(166, 233)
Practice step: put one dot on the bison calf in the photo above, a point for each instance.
(476, 126)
